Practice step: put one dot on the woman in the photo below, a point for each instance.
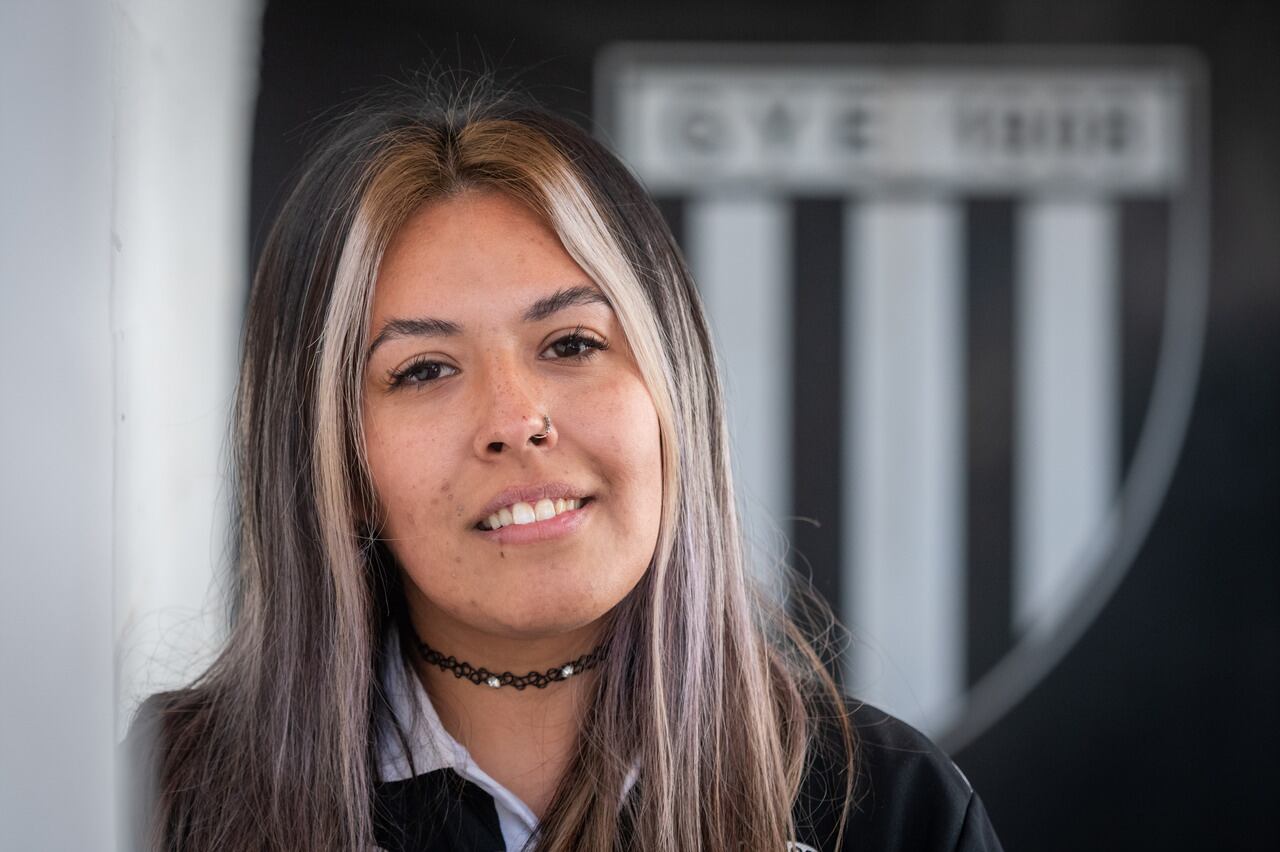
(491, 590)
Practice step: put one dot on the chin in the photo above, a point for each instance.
(527, 604)
(541, 622)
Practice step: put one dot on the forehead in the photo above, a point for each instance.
(477, 250)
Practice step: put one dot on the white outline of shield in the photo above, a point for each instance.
(1161, 437)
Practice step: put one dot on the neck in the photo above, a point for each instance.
(524, 739)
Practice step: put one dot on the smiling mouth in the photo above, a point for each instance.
(522, 514)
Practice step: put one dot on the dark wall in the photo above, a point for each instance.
(1158, 730)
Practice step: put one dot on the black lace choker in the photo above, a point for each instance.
(538, 680)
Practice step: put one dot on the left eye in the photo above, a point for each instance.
(575, 345)
(421, 373)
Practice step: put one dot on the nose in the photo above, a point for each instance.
(513, 417)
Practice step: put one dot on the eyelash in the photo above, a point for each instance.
(591, 345)
(578, 337)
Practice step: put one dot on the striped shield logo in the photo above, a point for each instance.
(959, 299)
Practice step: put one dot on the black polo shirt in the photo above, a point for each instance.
(909, 797)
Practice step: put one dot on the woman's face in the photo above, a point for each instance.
(481, 324)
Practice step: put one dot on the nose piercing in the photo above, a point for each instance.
(546, 429)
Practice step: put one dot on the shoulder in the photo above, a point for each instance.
(146, 744)
(140, 754)
(142, 751)
(148, 755)
(908, 795)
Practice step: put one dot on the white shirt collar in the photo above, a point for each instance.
(433, 748)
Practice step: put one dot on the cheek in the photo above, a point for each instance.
(630, 447)
(410, 478)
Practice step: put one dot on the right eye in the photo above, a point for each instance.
(420, 372)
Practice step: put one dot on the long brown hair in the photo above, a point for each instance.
(709, 686)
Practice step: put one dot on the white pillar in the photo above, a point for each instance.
(740, 253)
(1067, 431)
(56, 748)
(186, 82)
(905, 405)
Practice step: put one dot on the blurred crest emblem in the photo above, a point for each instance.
(959, 297)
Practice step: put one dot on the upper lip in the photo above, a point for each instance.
(530, 494)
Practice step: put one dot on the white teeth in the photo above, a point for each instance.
(523, 513)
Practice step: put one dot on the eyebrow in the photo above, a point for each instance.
(581, 294)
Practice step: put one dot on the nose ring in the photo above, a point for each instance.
(546, 429)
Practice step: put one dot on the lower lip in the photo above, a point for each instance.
(563, 524)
